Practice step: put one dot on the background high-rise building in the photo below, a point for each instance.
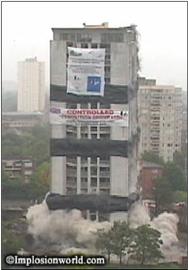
(31, 86)
(160, 118)
(184, 121)
(93, 158)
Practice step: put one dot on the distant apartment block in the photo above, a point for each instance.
(31, 86)
(18, 168)
(19, 121)
(160, 118)
(184, 121)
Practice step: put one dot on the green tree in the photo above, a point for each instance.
(41, 178)
(175, 176)
(146, 244)
(104, 242)
(122, 238)
(180, 159)
(34, 144)
(4, 177)
(152, 157)
(180, 196)
(11, 242)
(163, 193)
(116, 241)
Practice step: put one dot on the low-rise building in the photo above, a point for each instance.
(18, 168)
(19, 121)
(148, 173)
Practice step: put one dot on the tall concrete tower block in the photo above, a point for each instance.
(31, 86)
(94, 158)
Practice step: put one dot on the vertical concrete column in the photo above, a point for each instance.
(78, 175)
(89, 175)
(89, 127)
(98, 175)
(87, 214)
(119, 176)
(78, 126)
(98, 126)
(58, 173)
(97, 216)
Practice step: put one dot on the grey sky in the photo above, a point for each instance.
(162, 27)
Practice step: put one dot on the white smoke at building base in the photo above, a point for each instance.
(63, 229)
(166, 223)
(68, 232)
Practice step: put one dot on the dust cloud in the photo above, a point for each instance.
(68, 232)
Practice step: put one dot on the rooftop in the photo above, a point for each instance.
(103, 26)
(21, 113)
(147, 164)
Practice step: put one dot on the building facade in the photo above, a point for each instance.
(19, 121)
(31, 86)
(160, 119)
(18, 168)
(93, 158)
(148, 174)
(184, 121)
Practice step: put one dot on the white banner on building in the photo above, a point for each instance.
(102, 117)
(86, 71)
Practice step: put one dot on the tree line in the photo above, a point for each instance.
(34, 144)
(141, 244)
(171, 186)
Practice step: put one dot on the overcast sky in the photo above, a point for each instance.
(162, 27)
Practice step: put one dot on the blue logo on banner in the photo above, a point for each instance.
(93, 84)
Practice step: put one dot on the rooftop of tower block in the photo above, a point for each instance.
(103, 26)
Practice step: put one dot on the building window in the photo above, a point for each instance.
(105, 46)
(94, 135)
(71, 105)
(71, 131)
(107, 80)
(84, 170)
(112, 37)
(84, 45)
(93, 216)
(94, 45)
(71, 191)
(83, 37)
(93, 181)
(94, 105)
(105, 130)
(103, 217)
(67, 36)
(84, 131)
(169, 144)
(93, 161)
(69, 44)
(94, 128)
(84, 106)
(84, 161)
(105, 106)
(93, 171)
(104, 136)
(64, 36)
